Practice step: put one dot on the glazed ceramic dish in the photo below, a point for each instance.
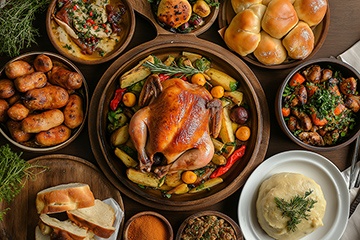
(69, 49)
(58, 60)
(236, 177)
(311, 165)
(227, 13)
(336, 65)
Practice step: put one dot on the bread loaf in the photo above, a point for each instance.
(99, 218)
(299, 42)
(64, 197)
(65, 229)
(270, 51)
(243, 33)
(279, 18)
(241, 5)
(311, 11)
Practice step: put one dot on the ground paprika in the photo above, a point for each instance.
(148, 227)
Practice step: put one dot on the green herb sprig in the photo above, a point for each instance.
(14, 173)
(16, 21)
(297, 209)
(159, 67)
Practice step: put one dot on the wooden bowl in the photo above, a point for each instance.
(347, 71)
(230, 221)
(144, 8)
(320, 31)
(83, 91)
(222, 59)
(151, 213)
(126, 35)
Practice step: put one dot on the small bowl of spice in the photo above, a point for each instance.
(148, 225)
(209, 225)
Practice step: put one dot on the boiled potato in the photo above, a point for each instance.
(120, 136)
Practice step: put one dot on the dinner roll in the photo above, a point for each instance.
(241, 5)
(174, 13)
(279, 18)
(266, 2)
(243, 33)
(270, 51)
(299, 42)
(311, 11)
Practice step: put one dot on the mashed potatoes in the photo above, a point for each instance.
(286, 186)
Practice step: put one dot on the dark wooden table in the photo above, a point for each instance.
(344, 31)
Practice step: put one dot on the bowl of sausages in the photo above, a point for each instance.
(43, 101)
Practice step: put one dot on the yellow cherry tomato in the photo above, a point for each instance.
(198, 79)
(217, 92)
(129, 99)
(243, 133)
(189, 177)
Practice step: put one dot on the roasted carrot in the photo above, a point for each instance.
(285, 111)
(333, 88)
(311, 89)
(296, 80)
(340, 107)
(316, 120)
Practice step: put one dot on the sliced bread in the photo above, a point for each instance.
(99, 219)
(64, 197)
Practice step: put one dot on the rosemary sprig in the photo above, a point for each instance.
(159, 67)
(297, 209)
(16, 21)
(14, 173)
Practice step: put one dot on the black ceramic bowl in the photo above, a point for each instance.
(336, 65)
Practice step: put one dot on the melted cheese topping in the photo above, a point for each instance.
(287, 186)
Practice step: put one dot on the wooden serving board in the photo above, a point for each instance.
(20, 221)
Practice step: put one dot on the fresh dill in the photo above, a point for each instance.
(297, 209)
(14, 173)
(16, 21)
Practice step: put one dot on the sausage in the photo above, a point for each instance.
(30, 81)
(73, 112)
(53, 136)
(4, 106)
(65, 78)
(18, 112)
(16, 132)
(48, 97)
(14, 99)
(18, 69)
(7, 88)
(42, 121)
(43, 63)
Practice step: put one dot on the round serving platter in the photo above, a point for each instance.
(227, 13)
(20, 221)
(114, 169)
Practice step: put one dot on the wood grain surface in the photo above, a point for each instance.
(20, 221)
(344, 31)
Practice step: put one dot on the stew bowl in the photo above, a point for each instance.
(100, 43)
(341, 71)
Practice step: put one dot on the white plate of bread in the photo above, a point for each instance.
(274, 34)
(72, 200)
